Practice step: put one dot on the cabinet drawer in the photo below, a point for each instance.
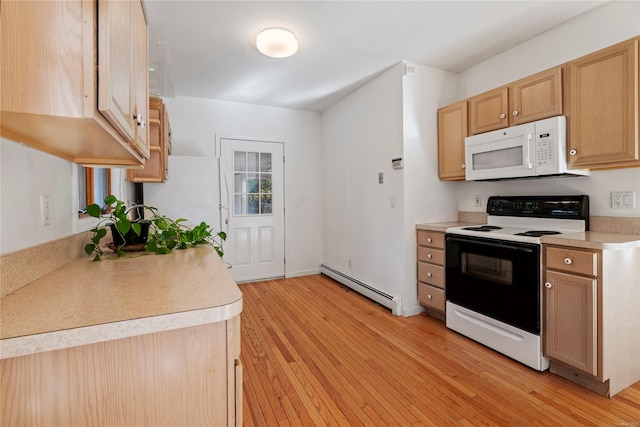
(433, 239)
(431, 297)
(431, 255)
(572, 260)
(432, 274)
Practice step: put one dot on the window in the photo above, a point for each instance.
(252, 183)
(94, 184)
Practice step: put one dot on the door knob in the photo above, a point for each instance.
(547, 285)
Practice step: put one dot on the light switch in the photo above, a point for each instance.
(380, 177)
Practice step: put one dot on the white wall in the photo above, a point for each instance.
(391, 116)
(361, 134)
(601, 27)
(426, 198)
(25, 175)
(192, 189)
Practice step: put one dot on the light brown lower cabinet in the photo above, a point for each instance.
(591, 314)
(431, 272)
(184, 377)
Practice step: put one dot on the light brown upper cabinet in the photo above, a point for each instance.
(533, 98)
(536, 97)
(156, 167)
(72, 79)
(603, 108)
(488, 111)
(452, 130)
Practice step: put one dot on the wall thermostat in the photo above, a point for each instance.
(397, 163)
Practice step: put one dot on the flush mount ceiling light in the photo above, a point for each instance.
(277, 42)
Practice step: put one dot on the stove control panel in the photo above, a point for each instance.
(567, 207)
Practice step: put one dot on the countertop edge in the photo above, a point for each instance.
(594, 240)
(443, 226)
(56, 340)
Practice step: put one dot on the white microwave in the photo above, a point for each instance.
(524, 151)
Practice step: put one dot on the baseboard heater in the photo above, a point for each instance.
(382, 298)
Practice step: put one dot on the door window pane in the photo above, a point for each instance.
(252, 183)
(265, 162)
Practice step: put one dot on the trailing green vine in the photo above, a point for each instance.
(164, 235)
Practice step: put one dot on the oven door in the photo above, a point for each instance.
(500, 279)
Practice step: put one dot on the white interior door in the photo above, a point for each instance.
(252, 208)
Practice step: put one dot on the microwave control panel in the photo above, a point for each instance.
(545, 152)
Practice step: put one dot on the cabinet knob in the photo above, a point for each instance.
(429, 274)
(502, 116)
(573, 152)
(429, 256)
(568, 261)
(138, 118)
(429, 296)
(515, 113)
(464, 166)
(547, 285)
(429, 240)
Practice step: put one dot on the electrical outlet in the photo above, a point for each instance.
(45, 206)
(623, 199)
(477, 201)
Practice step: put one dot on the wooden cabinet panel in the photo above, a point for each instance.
(49, 84)
(141, 80)
(452, 130)
(116, 62)
(571, 316)
(536, 97)
(431, 297)
(178, 377)
(603, 108)
(431, 273)
(156, 167)
(489, 111)
(431, 255)
(432, 239)
(572, 260)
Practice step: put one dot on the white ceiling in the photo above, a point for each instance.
(208, 50)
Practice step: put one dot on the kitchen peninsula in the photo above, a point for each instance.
(141, 340)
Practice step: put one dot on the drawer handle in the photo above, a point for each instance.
(429, 240)
(429, 274)
(568, 261)
(429, 296)
(547, 285)
(429, 256)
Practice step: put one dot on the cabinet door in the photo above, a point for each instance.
(603, 108)
(488, 111)
(452, 130)
(116, 62)
(536, 97)
(571, 320)
(141, 80)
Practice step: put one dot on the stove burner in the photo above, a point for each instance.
(537, 233)
(483, 228)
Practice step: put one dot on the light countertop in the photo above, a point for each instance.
(442, 226)
(594, 240)
(86, 302)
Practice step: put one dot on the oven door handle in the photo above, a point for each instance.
(494, 245)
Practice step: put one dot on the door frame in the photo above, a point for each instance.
(218, 156)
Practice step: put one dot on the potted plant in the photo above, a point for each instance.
(159, 234)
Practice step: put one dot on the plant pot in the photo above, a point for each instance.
(131, 238)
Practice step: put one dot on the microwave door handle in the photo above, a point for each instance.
(528, 158)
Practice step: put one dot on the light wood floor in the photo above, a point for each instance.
(315, 353)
